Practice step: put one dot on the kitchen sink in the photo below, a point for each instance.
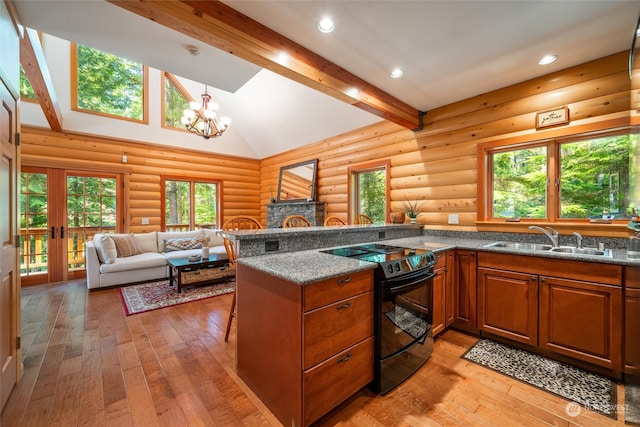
(582, 251)
(548, 248)
(522, 246)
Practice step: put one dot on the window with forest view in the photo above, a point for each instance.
(26, 90)
(175, 102)
(34, 251)
(91, 209)
(107, 84)
(190, 205)
(582, 179)
(369, 193)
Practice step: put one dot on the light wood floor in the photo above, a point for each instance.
(87, 364)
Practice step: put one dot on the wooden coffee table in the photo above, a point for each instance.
(183, 272)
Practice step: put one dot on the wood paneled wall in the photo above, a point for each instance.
(439, 163)
(145, 164)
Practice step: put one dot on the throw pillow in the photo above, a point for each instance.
(171, 245)
(126, 245)
(105, 248)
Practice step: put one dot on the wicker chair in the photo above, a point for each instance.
(239, 222)
(332, 221)
(363, 219)
(293, 221)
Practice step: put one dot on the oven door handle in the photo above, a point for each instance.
(407, 281)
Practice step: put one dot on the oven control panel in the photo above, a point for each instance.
(408, 264)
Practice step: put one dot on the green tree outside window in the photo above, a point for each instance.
(109, 84)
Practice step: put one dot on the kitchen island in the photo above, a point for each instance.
(297, 356)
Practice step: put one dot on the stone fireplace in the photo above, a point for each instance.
(277, 212)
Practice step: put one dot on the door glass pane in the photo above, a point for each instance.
(596, 177)
(371, 194)
(520, 183)
(33, 224)
(177, 205)
(91, 209)
(205, 205)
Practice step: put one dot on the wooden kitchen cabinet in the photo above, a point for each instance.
(632, 324)
(582, 320)
(567, 307)
(508, 304)
(303, 349)
(442, 292)
(465, 290)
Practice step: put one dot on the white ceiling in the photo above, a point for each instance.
(449, 51)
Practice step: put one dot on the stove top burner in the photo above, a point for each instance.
(393, 260)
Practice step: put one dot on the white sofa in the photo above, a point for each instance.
(150, 264)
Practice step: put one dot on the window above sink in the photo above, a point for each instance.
(582, 179)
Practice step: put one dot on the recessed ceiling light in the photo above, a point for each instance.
(396, 73)
(548, 59)
(326, 25)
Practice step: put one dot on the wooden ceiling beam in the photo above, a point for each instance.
(35, 67)
(219, 25)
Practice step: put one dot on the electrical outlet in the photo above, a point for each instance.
(453, 218)
(145, 221)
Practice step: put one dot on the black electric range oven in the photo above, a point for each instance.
(403, 309)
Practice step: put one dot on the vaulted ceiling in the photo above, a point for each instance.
(267, 54)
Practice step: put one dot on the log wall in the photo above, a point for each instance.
(145, 164)
(439, 163)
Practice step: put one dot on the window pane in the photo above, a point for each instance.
(177, 199)
(205, 204)
(595, 177)
(33, 223)
(26, 90)
(371, 195)
(174, 105)
(520, 183)
(109, 84)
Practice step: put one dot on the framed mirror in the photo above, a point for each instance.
(298, 182)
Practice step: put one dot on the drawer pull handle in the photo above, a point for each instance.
(343, 281)
(340, 306)
(345, 359)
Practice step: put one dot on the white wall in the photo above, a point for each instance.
(57, 53)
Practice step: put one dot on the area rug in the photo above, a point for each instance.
(632, 404)
(590, 391)
(155, 295)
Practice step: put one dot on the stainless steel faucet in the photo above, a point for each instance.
(579, 238)
(549, 232)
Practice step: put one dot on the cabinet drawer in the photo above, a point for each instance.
(336, 379)
(338, 288)
(441, 260)
(335, 327)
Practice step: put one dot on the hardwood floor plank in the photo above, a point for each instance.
(88, 364)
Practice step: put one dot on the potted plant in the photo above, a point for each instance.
(412, 209)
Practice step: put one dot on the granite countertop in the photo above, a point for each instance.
(304, 267)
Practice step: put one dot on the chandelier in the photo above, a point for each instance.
(201, 119)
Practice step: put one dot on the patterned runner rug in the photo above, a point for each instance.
(155, 295)
(590, 391)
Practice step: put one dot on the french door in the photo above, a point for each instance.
(59, 211)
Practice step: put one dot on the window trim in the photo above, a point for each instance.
(192, 181)
(351, 187)
(74, 90)
(553, 154)
(174, 80)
